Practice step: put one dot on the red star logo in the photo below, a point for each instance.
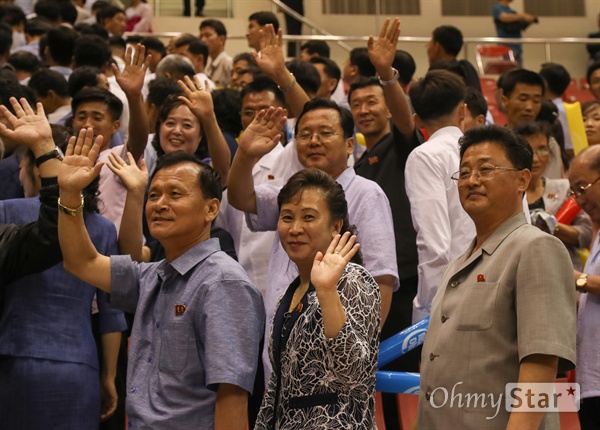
(571, 391)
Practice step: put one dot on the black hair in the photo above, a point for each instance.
(306, 75)
(208, 178)
(475, 102)
(593, 67)
(91, 51)
(44, 80)
(245, 56)
(450, 38)
(161, 88)
(155, 44)
(107, 12)
(99, 4)
(513, 77)
(330, 68)
(589, 106)
(319, 47)
(47, 9)
(452, 66)
(6, 39)
(259, 85)
(516, 149)
(533, 128)
(117, 42)
(363, 82)
(332, 192)
(228, 103)
(437, 94)
(197, 47)
(68, 12)
(216, 25)
(112, 102)
(25, 61)
(12, 14)
(37, 26)
(406, 66)
(10, 89)
(61, 44)
(346, 120)
(82, 77)
(91, 30)
(264, 18)
(184, 40)
(359, 57)
(557, 78)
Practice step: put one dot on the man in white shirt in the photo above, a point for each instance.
(444, 230)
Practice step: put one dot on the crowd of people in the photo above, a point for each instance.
(238, 233)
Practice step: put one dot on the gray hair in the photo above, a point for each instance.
(177, 66)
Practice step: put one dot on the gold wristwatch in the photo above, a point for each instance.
(581, 283)
(70, 211)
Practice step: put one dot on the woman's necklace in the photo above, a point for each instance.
(297, 297)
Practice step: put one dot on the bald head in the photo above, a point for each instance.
(584, 179)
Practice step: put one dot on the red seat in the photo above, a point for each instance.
(379, 419)
(499, 62)
(583, 84)
(408, 405)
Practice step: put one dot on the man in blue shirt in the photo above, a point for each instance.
(507, 20)
(199, 320)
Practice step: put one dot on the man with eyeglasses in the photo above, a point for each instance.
(502, 313)
(584, 177)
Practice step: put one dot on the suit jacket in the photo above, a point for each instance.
(510, 298)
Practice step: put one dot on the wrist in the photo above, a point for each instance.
(43, 147)
(386, 74)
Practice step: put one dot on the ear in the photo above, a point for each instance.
(504, 102)
(350, 145)
(116, 126)
(212, 210)
(336, 227)
(460, 112)
(524, 177)
(480, 119)
(332, 85)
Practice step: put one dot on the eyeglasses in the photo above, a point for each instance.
(322, 136)
(542, 152)
(579, 192)
(482, 173)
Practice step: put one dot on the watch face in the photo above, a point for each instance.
(581, 282)
(60, 155)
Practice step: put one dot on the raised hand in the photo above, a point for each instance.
(79, 167)
(328, 268)
(197, 98)
(382, 52)
(263, 134)
(26, 126)
(271, 59)
(131, 80)
(133, 177)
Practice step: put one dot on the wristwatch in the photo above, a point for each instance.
(55, 153)
(581, 283)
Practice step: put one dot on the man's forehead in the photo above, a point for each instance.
(255, 98)
(324, 116)
(185, 173)
(523, 88)
(484, 152)
(370, 91)
(92, 106)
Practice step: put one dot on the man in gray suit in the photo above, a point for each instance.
(505, 309)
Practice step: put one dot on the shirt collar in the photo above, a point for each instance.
(188, 260)
(450, 131)
(346, 178)
(498, 236)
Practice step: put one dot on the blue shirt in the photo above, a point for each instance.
(198, 324)
(498, 10)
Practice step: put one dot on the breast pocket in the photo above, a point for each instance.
(479, 306)
(176, 341)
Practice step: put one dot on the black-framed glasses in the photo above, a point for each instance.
(579, 192)
(483, 172)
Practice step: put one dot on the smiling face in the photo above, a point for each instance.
(178, 214)
(523, 105)
(180, 131)
(370, 112)
(305, 227)
(96, 114)
(329, 155)
(580, 175)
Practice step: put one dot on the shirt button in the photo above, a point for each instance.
(132, 390)
(428, 395)
(432, 356)
(454, 284)
(444, 318)
(149, 359)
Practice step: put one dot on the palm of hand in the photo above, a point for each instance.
(382, 53)
(257, 139)
(201, 103)
(76, 172)
(31, 128)
(132, 78)
(326, 273)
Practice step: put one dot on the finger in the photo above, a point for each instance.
(135, 54)
(350, 254)
(318, 258)
(70, 146)
(97, 168)
(115, 70)
(206, 87)
(371, 43)
(128, 55)
(147, 62)
(333, 244)
(7, 114)
(87, 141)
(79, 143)
(5, 131)
(384, 28)
(40, 109)
(143, 166)
(131, 159)
(342, 243)
(187, 101)
(280, 37)
(20, 113)
(95, 149)
(184, 86)
(348, 242)
(26, 107)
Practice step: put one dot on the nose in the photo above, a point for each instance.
(296, 227)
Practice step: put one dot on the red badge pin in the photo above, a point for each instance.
(179, 310)
(373, 160)
(481, 278)
(270, 177)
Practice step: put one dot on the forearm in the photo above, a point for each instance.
(240, 184)
(397, 103)
(138, 126)
(295, 96)
(79, 254)
(231, 408)
(49, 168)
(512, 17)
(332, 312)
(536, 368)
(111, 343)
(567, 234)
(217, 148)
(593, 284)
(131, 235)
(386, 290)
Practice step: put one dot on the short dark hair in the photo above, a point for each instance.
(475, 102)
(306, 75)
(61, 44)
(47, 9)
(107, 12)
(208, 178)
(6, 39)
(24, 61)
(450, 38)
(228, 104)
(216, 25)
(155, 44)
(117, 42)
(37, 26)
(452, 66)
(10, 89)
(12, 14)
(44, 80)
(264, 18)
(346, 120)
(513, 77)
(556, 76)
(184, 40)
(68, 12)
(197, 47)
(91, 29)
(112, 102)
(330, 68)
(359, 57)
(245, 56)
(99, 4)
(437, 94)
(85, 76)
(406, 66)
(589, 106)
(332, 192)
(261, 84)
(319, 47)
(91, 51)
(517, 150)
(161, 88)
(363, 82)
(593, 67)
(533, 128)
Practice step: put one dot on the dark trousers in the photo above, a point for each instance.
(187, 6)
(292, 25)
(589, 413)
